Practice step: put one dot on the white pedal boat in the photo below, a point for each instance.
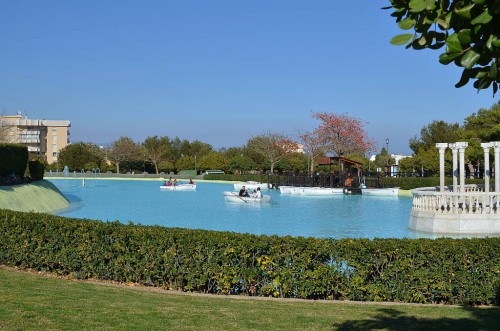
(251, 186)
(286, 189)
(234, 197)
(389, 191)
(178, 187)
(320, 191)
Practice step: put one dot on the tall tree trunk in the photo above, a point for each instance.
(472, 170)
(117, 167)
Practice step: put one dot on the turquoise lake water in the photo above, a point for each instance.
(142, 202)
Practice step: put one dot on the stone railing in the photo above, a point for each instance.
(473, 200)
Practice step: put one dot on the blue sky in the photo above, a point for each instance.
(221, 71)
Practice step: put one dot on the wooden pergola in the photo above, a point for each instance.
(329, 160)
(346, 178)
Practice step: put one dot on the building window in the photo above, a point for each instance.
(54, 129)
(54, 146)
(54, 138)
(54, 154)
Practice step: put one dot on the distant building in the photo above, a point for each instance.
(44, 138)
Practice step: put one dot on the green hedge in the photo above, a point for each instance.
(449, 271)
(17, 156)
(236, 177)
(36, 169)
(410, 183)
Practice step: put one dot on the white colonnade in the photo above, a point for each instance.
(458, 150)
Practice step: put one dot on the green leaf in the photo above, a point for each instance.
(495, 42)
(453, 47)
(417, 6)
(422, 41)
(465, 11)
(444, 21)
(479, 2)
(447, 58)
(464, 79)
(453, 44)
(483, 83)
(464, 36)
(483, 18)
(444, 4)
(401, 39)
(493, 71)
(470, 59)
(407, 23)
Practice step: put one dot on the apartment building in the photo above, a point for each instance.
(42, 137)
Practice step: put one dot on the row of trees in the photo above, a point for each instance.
(337, 134)
(483, 126)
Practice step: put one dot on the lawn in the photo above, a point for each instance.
(31, 301)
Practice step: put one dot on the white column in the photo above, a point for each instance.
(496, 148)
(461, 154)
(454, 150)
(486, 147)
(442, 148)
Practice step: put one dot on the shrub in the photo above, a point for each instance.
(36, 170)
(17, 156)
(448, 271)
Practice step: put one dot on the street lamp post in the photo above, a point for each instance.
(387, 150)
(195, 166)
(388, 169)
(369, 160)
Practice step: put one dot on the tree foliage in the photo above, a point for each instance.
(273, 146)
(185, 163)
(78, 156)
(214, 160)
(313, 146)
(468, 29)
(342, 134)
(156, 149)
(436, 132)
(124, 149)
(241, 163)
(485, 124)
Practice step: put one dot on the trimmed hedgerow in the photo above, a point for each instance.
(36, 169)
(410, 183)
(17, 156)
(449, 271)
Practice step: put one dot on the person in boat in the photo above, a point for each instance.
(169, 182)
(175, 182)
(257, 193)
(243, 192)
(348, 181)
(164, 183)
(191, 181)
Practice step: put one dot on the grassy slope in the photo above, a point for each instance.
(41, 197)
(30, 301)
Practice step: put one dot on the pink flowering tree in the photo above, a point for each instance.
(342, 134)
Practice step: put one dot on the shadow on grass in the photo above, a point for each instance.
(391, 319)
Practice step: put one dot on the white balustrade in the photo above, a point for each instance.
(472, 201)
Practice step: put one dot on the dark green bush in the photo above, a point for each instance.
(14, 160)
(448, 271)
(236, 177)
(410, 183)
(36, 169)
